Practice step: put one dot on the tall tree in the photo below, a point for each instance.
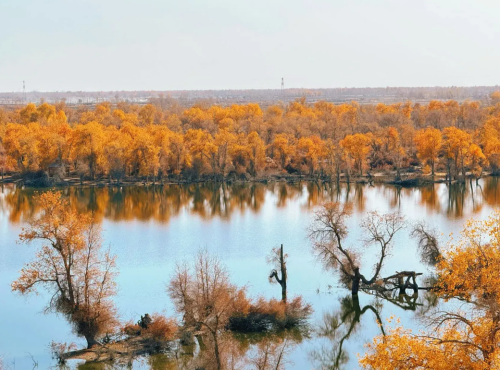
(71, 266)
(357, 146)
(428, 143)
(456, 145)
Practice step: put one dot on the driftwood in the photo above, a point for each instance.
(400, 280)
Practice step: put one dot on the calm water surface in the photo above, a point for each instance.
(150, 229)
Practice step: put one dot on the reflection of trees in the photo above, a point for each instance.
(338, 326)
(456, 199)
(209, 200)
(491, 191)
(429, 197)
(285, 191)
(160, 203)
(259, 351)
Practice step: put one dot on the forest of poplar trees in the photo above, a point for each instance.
(322, 140)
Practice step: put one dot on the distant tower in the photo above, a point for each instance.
(24, 91)
(282, 85)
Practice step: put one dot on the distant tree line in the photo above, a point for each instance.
(261, 96)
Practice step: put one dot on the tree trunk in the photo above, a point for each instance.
(217, 355)
(356, 279)
(283, 279)
(91, 341)
(402, 286)
(283, 275)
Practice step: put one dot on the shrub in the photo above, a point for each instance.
(162, 328)
(132, 330)
(265, 315)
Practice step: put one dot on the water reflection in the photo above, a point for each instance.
(341, 325)
(338, 326)
(160, 203)
(263, 351)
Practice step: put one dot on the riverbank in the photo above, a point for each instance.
(408, 179)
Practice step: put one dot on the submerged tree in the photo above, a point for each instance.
(459, 337)
(329, 230)
(278, 259)
(71, 266)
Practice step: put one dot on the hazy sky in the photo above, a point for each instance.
(60, 45)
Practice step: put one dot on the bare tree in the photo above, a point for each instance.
(205, 297)
(328, 232)
(278, 259)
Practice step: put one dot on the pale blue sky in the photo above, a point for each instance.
(60, 45)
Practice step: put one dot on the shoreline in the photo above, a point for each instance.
(408, 180)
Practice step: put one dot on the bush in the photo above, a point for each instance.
(162, 328)
(265, 315)
(131, 330)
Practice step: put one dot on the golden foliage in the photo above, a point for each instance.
(321, 138)
(71, 266)
(461, 338)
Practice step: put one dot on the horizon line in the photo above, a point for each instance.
(251, 89)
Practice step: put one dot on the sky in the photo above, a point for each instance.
(102, 45)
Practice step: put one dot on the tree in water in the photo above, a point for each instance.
(277, 258)
(206, 298)
(71, 266)
(328, 232)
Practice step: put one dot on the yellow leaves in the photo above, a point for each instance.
(456, 142)
(310, 151)
(444, 349)
(388, 109)
(70, 266)
(282, 149)
(139, 140)
(460, 339)
(428, 142)
(147, 114)
(357, 146)
(469, 267)
(21, 145)
(28, 114)
(495, 97)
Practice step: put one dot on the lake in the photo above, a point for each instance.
(151, 229)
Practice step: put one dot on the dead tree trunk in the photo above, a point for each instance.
(281, 281)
